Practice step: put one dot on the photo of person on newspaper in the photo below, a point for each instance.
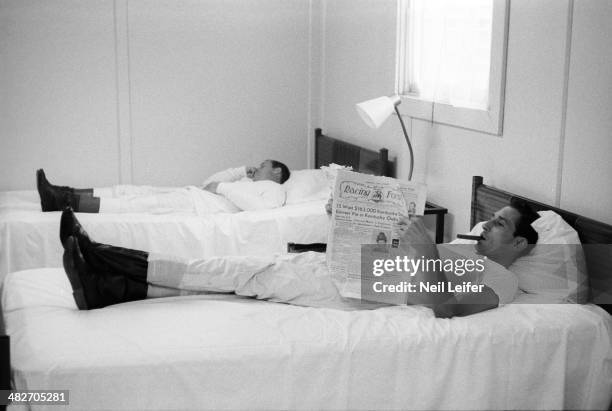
(381, 238)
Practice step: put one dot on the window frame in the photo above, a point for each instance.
(488, 121)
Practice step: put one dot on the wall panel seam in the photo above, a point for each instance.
(309, 116)
(122, 74)
(564, 102)
(322, 77)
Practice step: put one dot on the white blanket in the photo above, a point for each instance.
(226, 352)
(29, 238)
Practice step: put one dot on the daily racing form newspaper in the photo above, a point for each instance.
(366, 209)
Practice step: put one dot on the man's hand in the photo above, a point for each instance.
(212, 187)
(250, 171)
(412, 230)
(467, 304)
(413, 233)
(416, 242)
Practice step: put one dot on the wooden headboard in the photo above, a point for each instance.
(595, 236)
(331, 150)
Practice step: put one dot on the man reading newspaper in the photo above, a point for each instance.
(102, 275)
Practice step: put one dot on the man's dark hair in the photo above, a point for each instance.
(285, 173)
(527, 216)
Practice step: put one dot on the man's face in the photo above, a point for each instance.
(266, 172)
(498, 241)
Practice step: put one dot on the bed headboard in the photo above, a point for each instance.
(331, 150)
(597, 236)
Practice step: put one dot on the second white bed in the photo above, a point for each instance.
(30, 238)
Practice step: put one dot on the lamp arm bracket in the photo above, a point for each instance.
(407, 141)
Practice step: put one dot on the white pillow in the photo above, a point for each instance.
(306, 185)
(556, 267)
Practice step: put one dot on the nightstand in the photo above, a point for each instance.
(439, 212)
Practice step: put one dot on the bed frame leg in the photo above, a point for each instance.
(5, 365)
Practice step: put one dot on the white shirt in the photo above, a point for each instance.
(245, 193)
(228, 176)
(503, 282)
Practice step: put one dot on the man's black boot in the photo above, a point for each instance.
(96, 289)
(70, 226)
(56, 198)
(79, 191)
(125, 261)
(51, 199)
(106, 258)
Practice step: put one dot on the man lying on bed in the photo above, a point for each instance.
(102, 275)
(242, 188)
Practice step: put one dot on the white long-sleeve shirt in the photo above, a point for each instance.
(245, 193)
(253, 195)
(228, 176)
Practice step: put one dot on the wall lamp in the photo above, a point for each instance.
(374, 112)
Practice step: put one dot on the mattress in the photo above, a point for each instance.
(218, 351)
(29, 238)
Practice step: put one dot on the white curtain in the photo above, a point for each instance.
(448, 51)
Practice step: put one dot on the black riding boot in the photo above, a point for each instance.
(103, 257)
(40, 175)
(112, 259)
(56, 198)
(93, 288)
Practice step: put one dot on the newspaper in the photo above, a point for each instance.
(365, 211)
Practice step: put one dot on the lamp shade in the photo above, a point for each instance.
(374, 112)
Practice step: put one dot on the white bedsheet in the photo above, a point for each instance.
(225, 352)
(29, 238)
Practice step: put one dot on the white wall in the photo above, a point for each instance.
(151, 92)
(587, 158)
(57, 91)
(537, 156)
(165, 92)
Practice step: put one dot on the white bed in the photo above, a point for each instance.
(30, 238)
(225, 352)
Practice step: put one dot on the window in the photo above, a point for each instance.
(451, 61)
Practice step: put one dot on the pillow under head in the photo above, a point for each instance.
(306, 185)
